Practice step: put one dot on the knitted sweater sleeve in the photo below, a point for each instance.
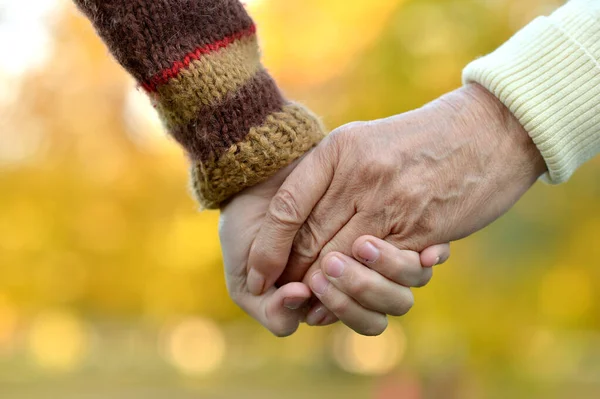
(548, 75)
(199, 62)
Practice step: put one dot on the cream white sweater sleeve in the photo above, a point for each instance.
(548, 75)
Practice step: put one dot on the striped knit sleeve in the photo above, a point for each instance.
(548, 75)
(199, 62)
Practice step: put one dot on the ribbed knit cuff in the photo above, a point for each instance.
(548, 75)
(282, 138)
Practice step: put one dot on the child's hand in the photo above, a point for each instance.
(361, 291)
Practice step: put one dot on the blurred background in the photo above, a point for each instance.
(111, 282)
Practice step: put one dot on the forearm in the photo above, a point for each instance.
(199, 62)
(548, 76)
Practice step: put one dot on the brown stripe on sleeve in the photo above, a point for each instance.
(217, 128)
(146, 37)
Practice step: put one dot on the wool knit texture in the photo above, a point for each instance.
(199, 62)
(548, 75)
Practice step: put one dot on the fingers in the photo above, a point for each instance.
(400, 266)
(379, 288)
(312, 237)
(279, 310)
(320, 316)
(342, 242)
(328, 217)
(288, 211)
(367, 287)
(322, 238)
(351, 313)
(435, 255)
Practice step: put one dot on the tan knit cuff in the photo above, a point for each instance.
(283, 137)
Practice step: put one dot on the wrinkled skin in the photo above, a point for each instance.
(364, 292)
(434, 175)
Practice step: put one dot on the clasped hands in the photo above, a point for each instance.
(346, 232)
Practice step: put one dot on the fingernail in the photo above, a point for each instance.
(316, 316)
(368, 252)
(255, 282)
(319, 283)
(437, 261)
(334, 267)
(294, 303)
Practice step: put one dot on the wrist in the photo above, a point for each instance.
(266, 189)
(501, 133)
(480, 160)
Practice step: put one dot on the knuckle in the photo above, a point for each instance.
(407, 258)
(260, 252)
(307, 244)
(346, 130)
(340, 307)
(345, 134)
(381, 219)
(284, 208)
(281, 331)
(279, 326)
(403, 306)
(383, 169)
(426, 277)
(403, 267)
(297, 269)
(357, 286)
(412, 277)
(376, 328)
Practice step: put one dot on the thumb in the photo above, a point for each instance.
(279, 310)
(288, 211)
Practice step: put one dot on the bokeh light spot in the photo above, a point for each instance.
(58, 341)
(369, 355)
(8, 323)
(195, 346)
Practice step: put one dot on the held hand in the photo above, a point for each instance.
(362, 290)
(279, 310)
(370, 297)
(430, 176)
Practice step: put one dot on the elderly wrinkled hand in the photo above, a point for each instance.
(430, 176)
